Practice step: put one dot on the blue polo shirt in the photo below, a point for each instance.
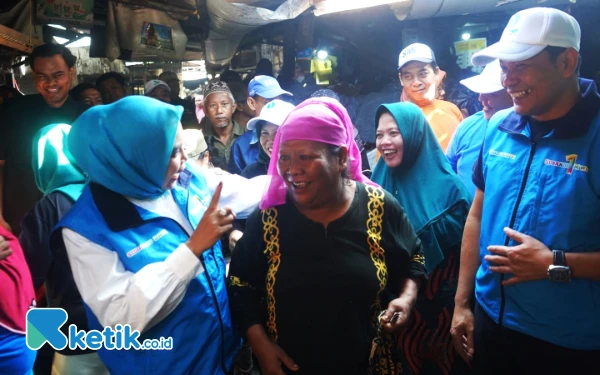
(243, 152)
(465, 147)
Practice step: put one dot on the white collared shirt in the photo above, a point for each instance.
(144, 298)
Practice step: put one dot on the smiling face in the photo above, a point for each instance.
(53, 79)
(418, 79)
(389, 141)
(219, 108)
(177, 161)
(311, 172)
(267, 137)
(494, 102)
(538, 85)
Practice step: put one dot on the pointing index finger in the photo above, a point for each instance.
(216, 196)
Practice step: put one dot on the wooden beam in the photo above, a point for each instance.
(18, 41)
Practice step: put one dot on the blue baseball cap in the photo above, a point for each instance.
(266, 86)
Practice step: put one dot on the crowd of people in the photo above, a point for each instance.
(262, 237)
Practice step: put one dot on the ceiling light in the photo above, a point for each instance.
(60, 40)
(335, 6)
(58, 26)
(86, 41)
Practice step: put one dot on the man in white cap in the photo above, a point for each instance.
(531, 245)
(464, 148)
(420, 77)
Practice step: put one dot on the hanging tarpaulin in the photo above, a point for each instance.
(145, 33)
(230, 22)
(65, 12)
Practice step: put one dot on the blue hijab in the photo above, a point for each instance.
(435, 200)
(126, 146)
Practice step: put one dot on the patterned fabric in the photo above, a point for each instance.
(271, 233)
(426, 339)
(382, 360)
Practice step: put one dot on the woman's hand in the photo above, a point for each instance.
(398, 311)
(270, 356)
(214, 224)
(5, 249)
(234, 237)
(397, 314)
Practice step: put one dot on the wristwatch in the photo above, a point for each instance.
(559, 272)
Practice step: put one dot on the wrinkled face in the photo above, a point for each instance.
(177, 161)
(91, 97)
(310, 171)
(389, 141)
(494, 102)
(267, 137)
(161, 94)
(418, 79)
(53, 79)
(535, 85)
(219, 108)
(111, 91)
(257, 103)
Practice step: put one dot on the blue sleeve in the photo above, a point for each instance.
(452, 151)
(478, 178)
(236, 161)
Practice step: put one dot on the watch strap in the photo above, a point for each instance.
(559, 258)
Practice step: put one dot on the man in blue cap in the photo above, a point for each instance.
(261, 91)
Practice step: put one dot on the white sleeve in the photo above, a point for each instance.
(117, 296)
(240, 194)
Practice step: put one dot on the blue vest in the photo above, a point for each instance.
(204, 341)
(550, 190)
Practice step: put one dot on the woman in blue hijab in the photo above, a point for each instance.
(61, 181)
(143, 241)
(414, 169)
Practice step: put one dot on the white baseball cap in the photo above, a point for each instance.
(489, 81)
(416, 52)
(154, 83)
(275, 112)
(530, 31)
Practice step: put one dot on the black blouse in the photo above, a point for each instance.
(317, 290)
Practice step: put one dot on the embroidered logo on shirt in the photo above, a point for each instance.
(148, 243)
(505, 155)
(570, 165)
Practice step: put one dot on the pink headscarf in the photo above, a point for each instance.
(322, 120)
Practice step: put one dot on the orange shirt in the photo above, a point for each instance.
(443, 117)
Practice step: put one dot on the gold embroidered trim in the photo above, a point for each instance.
(271, 237)
(418, 258)
(381, 360)
(235, 281)
(374, 228)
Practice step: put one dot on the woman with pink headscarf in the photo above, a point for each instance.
(329, 266)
